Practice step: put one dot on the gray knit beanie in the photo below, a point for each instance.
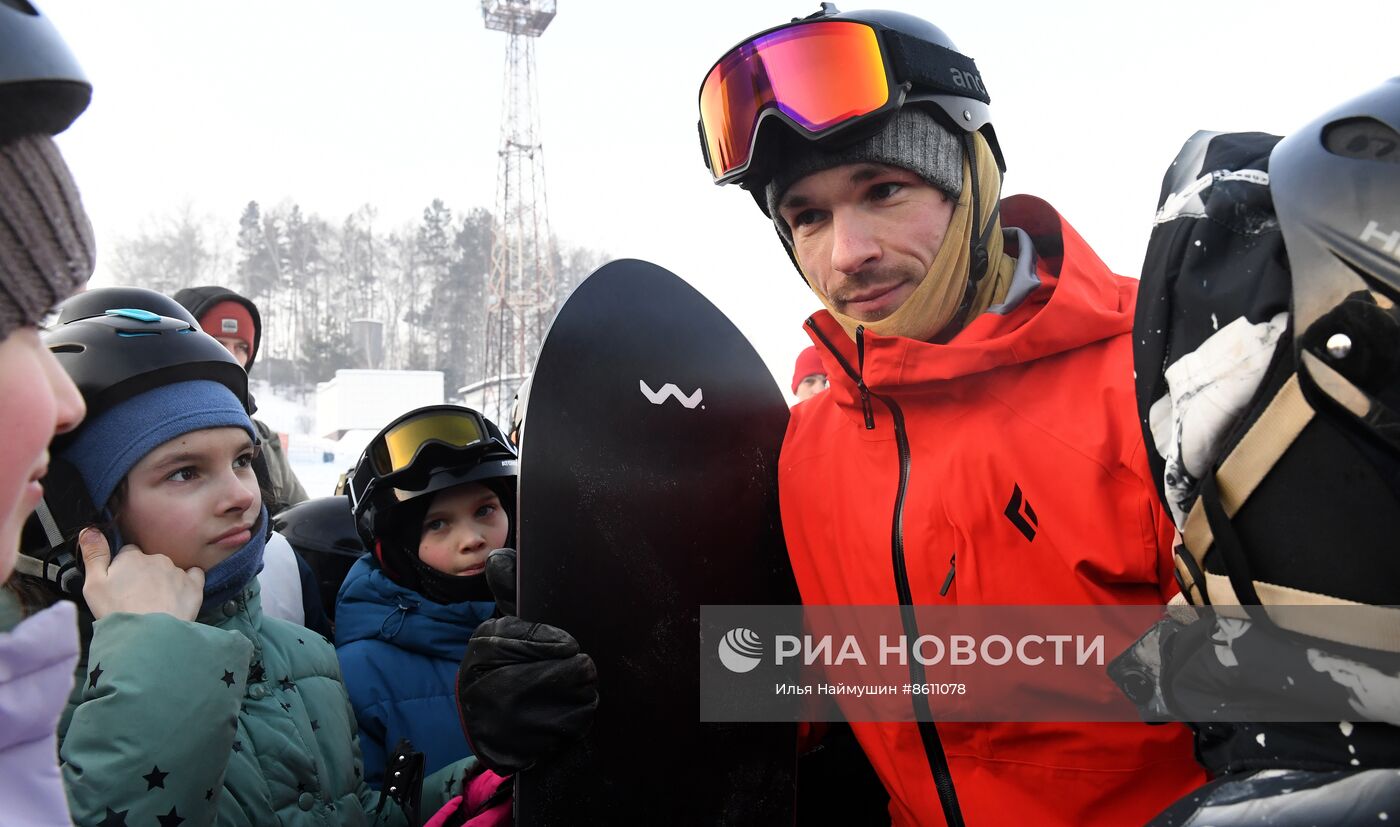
(46, 243)
(912, 140)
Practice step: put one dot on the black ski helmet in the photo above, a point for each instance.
(98, 300)
(42, 88)
(127, 351)
(912, 45)
(322, 531)
(389, 508)
(960, 110)
(111, 358)
(1336, 189)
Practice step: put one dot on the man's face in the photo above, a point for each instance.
(866, 234)
(237, 347)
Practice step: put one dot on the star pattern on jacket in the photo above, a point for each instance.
(209, 794)
(286, 685)
(286, 707)
(94, 675)
(227, 678)
(257, 674)
(155, 778)
(315, 724)
(170, 819)
(113, 819)
(237, 746)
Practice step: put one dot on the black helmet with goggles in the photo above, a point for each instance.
(833, 77)
(425, 451)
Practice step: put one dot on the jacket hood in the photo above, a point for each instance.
(373, 607)
(1057, 303)
(198, 300)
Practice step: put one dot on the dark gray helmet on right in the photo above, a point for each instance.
(1336, 189)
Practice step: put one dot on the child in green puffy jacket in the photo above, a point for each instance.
(192, 706)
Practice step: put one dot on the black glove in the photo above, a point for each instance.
(524, 689)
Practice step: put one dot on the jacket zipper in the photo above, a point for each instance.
(948, 581)
(867, 411)
(865, 407)
(928, 731)
(923, 713)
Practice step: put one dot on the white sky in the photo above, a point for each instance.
(337, 103)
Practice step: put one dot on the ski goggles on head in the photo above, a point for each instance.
(820, 77)
(402, 458)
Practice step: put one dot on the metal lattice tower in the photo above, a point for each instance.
(522, 283)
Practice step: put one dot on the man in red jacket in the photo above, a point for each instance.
(980, 442)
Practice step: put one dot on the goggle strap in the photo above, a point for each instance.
(935, 67)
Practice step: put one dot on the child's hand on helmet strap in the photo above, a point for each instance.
(137, 582)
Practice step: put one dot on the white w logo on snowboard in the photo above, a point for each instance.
(669, 389)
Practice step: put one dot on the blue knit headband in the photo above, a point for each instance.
(109, 445)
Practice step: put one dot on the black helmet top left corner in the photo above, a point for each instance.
(42, 87)
(123, 352)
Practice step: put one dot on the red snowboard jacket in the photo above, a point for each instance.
(1034, 396)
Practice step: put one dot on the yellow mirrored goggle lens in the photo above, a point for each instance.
(401, 444)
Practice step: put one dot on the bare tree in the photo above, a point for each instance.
(178, 249)
(424, 281)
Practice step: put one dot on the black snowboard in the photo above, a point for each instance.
(648, 487)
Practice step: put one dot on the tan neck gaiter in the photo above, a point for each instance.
(934, 302)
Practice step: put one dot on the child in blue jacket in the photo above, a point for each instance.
(432, 495)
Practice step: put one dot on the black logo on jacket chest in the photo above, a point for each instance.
(1019, 512)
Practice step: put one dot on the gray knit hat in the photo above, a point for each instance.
(46, 243)
(912, 140)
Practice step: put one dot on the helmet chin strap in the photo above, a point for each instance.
(46, 552)
(60, 566)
